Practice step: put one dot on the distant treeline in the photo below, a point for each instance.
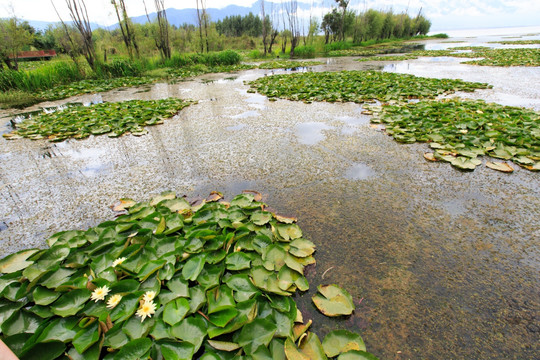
(238, 25)
(372, 25)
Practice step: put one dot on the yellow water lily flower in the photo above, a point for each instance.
(148, 308)
(100, 293)
(113, 301)
(118, 261)
(149, 296)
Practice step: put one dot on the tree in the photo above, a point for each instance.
(13, 38)
(203, 19)
(79, 16)
(291, 10)
(161, 31)
(343, 5)
(126, 27)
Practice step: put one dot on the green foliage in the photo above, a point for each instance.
(339, 45)
(167, 280)
(516, 42)
(114, 119)
(238, 25)
(460, 131)
(119, 68)
(304, 51)
(45, 77)
(17, 99)
(357, 86)
(288, 64)
(440, 36)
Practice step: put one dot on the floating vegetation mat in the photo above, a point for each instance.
(357, 86)
(114, 119)
(461, 131)
(201, 69)
(93, 86)
(353, 52)
(516, 42)
(288, 64)
(490, 57)
(172, 280)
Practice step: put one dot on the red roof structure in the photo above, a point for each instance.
(35, 54)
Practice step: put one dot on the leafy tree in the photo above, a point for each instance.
(13, 38)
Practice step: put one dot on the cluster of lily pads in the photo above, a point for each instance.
(490, 57)
(170, 279)
(460, 131)
(357, 86)
(516, 42)
(114, 119)
(287, 64)
(352, 52)
(201, 69)
(92, 86)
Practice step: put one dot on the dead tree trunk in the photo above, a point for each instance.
(79, 15)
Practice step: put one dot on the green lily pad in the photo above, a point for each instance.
(70, 303)
(17, 261)
(175, 311)
(342, 341)
(135, 349)
(332, 300)
(256, 333)
(357, 355)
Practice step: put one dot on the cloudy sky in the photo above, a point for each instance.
(444, 14)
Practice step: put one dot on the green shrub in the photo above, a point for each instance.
(119, 68)
(305, 52)
(340, 45)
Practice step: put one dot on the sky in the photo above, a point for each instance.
(444, 14)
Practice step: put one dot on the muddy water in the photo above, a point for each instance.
(442, 264)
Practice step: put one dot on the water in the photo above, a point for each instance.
(440, 263)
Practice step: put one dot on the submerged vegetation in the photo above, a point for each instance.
(172, 280)
(461, 131)
(114, 119)
(357, 86)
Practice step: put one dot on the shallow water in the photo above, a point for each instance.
(441, 263)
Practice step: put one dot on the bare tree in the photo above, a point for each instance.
(71, 43)
(126, 27)
(291, 9)
(161, 35)
(79, 15)
(203, 20)
(273, 28)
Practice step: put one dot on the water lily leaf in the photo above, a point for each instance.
(150, 268)
(115, 338)
(179, 286)
(464, 163)
(166, 195)
(192, 329)
(357, 355)
(7, 308)
(126, 308)
(238, 261)
(256, 333)
(56, 278)
(220, 298)
(175, 311)
(273, 257)
(311, 347)
(86, 338)
(135, 328)
(332, 300)
(243, 200)
(240, 282)
(90, 354)
(14, 291)
(342, 341)
(261, 217)
(70, 303)
(179, 205)
(21, 321)
(500, 166)
(176, 350)
(60, 329)
(301, 329)
(123, 204)
(223, 345)
(223, 317)
(292, 352)
(430, 157)
(50, 350)
(135, 349)
(301, 248)
(247, 311)
(16, 261)
(193, 267)
(289, 231)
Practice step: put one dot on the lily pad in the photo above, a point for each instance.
(332, 300)
(342, 341)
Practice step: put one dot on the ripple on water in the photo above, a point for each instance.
(311, 133)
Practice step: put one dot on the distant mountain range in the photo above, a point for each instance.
(187, 16)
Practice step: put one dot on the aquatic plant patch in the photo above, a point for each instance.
(353, 52)
(170, 279)
(201, 69)
(114, 119)
(516, 42)
(460, 131)
(288, 64)
(92, 86)
(357, 86)
(504, 57)
(389, 58)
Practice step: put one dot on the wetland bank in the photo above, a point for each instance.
(440, 262)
